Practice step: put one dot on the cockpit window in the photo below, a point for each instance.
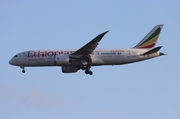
(15, 56)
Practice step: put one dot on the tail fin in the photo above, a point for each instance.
(149, 41)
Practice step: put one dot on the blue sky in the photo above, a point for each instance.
(144, 90)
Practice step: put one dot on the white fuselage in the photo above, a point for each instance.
(98, 57)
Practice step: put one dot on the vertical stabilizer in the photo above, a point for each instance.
(149, 41)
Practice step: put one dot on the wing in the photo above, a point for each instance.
(89, 47)
(84, 52)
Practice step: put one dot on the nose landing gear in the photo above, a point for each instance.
(23, 71)
(22, 67)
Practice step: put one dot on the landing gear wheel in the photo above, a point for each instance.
(88, 72)
(23, 71)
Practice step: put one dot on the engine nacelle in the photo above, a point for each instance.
(69, 69)
(62, 59)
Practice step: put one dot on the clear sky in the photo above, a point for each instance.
(144, 90)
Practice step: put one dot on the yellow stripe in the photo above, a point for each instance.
(150, 42)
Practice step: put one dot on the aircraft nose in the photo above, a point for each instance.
(13, 61)
(10, 61)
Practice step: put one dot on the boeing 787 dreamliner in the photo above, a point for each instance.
(87, 56)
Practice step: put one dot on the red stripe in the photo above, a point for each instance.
(148, 46)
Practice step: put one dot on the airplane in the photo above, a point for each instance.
(88, 56)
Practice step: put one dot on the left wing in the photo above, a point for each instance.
(84, 52)
(89, 47)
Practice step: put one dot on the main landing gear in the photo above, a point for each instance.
(89, 72)
(22, 67)
(87, 69)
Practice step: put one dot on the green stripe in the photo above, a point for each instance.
(153, 35)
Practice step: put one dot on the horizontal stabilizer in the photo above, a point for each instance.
(154, 50)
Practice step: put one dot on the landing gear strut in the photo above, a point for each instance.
(22, 67)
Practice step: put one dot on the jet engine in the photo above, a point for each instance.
(69, 69)
(62, 59)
